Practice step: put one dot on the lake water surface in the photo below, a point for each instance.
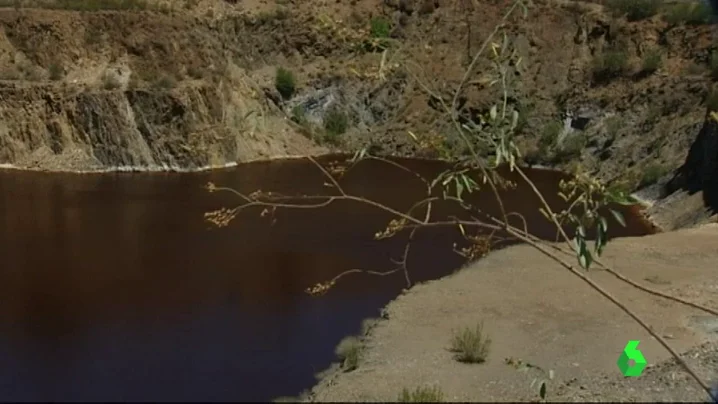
(114, 287)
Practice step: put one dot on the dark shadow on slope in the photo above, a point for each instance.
(700, 170)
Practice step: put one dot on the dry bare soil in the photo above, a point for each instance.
(536, 312)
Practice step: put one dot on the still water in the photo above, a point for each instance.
(114, 287)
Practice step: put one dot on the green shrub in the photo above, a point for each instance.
(349, 351)
(285, 82)
(609, 64)
(651, 174)
(635, 10)
(571, 148)
(652, 61)
(689, 13)
(421, 395)
(56, 71)
(471, 345)
(380, 27)
(549, 134)
(299, 115)
(335, 123)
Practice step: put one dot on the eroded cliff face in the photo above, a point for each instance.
(185, 128)
(193, 85)
(135, 90)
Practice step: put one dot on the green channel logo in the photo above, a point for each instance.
(631, 353)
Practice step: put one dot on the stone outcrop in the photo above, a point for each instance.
(699, 172)
(183, 128)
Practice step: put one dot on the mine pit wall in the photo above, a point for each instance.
(183, 129)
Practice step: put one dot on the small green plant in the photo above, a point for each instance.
(549, 135)
(335, 123)
(379, 31)
(571, 148)
(56, 71)
(609, 64)
(421, 395)
(349, 352)
(635, 10)
(379, 28)
(652, 61)
(540, 382)
(285, 83)
(471, 345)
(651, 174)
(299, 115)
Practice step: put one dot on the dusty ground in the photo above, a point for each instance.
(537, 312)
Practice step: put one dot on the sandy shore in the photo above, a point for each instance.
(539, 313)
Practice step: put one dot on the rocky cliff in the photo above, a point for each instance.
(191, 83)
(186, 128)
(133, 89)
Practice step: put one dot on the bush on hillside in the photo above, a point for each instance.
(335, 123)
(609, 64)
(689, 13)
(652, 61)
(635, 10)
(380, 27)
(284, 82)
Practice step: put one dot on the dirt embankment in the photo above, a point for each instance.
(537, 313)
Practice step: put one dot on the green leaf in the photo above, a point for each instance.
(542, 390)
(622, 199)
(584, 256)
(581, 231)
(600, 240)
(469, 183)
(459, 188)
(438, 178)
(619, 217)
(585, 259)
(603, 223)
(493, 112)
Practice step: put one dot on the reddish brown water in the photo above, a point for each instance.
(114, 287)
